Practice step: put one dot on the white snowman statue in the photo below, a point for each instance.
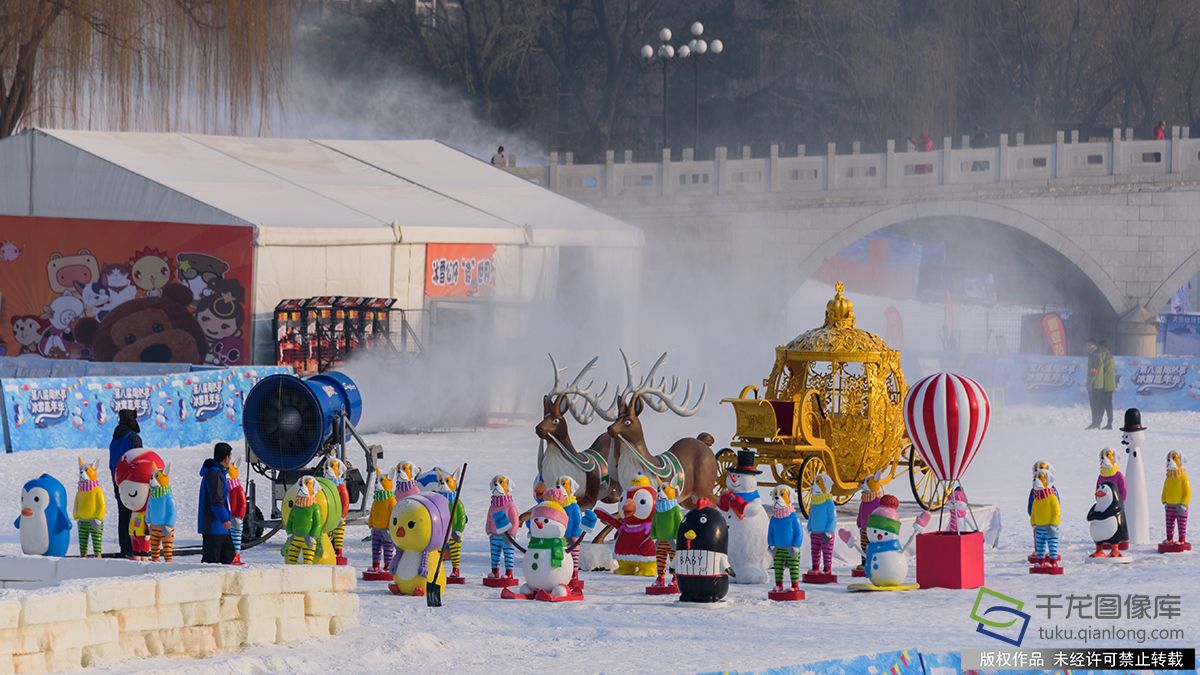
(1137, 505)
(747, 520)
(887, 562)
(547, 565)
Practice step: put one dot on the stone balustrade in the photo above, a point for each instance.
(823, 176)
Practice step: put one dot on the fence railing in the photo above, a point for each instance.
(1060, 161)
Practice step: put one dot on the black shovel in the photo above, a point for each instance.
(433, 592)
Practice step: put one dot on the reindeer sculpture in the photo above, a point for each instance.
(689, 464)
(557, 456)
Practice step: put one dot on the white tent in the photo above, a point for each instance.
(329, 217)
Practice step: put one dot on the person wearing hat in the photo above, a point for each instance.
(125, 437)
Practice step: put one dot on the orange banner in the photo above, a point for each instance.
(1056, 334)
(125, 291)
(459, 269)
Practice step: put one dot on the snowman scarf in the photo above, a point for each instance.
(554, 544)
(877, 547)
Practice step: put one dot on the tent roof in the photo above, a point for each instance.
(314, 191)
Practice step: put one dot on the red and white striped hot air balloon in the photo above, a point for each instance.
(946, 416)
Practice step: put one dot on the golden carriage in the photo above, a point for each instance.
(832, 404)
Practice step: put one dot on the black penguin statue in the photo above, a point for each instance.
(1106, 522)
(701, 555)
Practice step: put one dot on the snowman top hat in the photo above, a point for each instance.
(1133, 420)
(747, 462)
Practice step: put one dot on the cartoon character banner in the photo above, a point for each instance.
(1158, 383)
(174, 410)
(126, 291)
(459, 269)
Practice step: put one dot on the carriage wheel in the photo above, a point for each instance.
(926, 488)
(808, 473)
(726, 459)
(843, 499)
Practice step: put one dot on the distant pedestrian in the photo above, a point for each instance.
(125, 437)
(500, 159)
(1160, 131)
(979, 139)
(1108, 369)
(922, 143)
(1095, 381)
(214, 520)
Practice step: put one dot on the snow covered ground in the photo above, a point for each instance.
(620, 629)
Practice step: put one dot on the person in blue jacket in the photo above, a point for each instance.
(213, 516)
(125, 437)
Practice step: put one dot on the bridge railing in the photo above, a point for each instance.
(1058, 163)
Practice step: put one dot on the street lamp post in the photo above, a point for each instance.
(696, 48)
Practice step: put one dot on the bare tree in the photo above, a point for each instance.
(153, 63)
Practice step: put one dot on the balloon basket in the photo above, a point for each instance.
(1174, 547)
(950, 560)
(818, 578)
(368, 575)
(785, 596)
(500, 582)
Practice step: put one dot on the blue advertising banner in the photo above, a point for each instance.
(1158, 383)
(1179, 334)
(174, 410)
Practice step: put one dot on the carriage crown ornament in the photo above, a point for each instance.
(832, 404)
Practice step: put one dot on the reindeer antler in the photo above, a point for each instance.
(660, 397)
(582, 414)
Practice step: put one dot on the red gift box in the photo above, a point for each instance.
(950, 560)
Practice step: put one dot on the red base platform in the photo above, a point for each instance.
(1046, 569)
(508, 594)
(458, 581)
(576, 585)
(368, 575)
(818, 578)
(342, 561)
(1032, 559)
(670, 589)
(785, 596)
(858, 572)
(500, 582)
(1174, 547)
(1124, 546)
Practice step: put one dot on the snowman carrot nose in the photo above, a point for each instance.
(27, 512)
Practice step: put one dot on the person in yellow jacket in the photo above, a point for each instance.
(1045, 513)
(1176, 495)
(90, 509)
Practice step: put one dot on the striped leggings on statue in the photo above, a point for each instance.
(785, 559)
(338, 537)
(1045, 541)
(500, 544)
(162, 537)
(298, 553)
(93, 530)
(822, 549)
(455, 549)
(235, 533)
(665, 551)
(1177, 513)
(862, 545)
(381, 543)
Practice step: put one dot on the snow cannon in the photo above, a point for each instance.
(287, 420)
(294, 426)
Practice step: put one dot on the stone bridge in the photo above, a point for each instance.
(1126, 213)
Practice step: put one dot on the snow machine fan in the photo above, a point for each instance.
(294, 426)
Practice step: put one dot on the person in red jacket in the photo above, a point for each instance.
(237, 510)
(1160, 131)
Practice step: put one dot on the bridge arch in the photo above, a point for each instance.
(989, 212)
(1178, 277)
